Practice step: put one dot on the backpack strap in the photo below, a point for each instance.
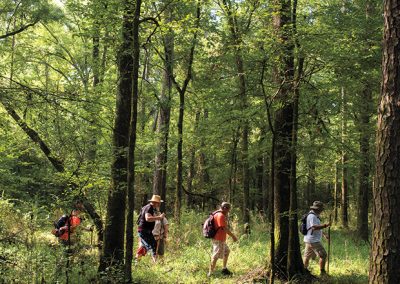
(213, 214)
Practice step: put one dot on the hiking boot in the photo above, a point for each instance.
(225, 271)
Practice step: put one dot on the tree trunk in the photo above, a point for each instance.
(344, 202)
(237, 46)
(132, 144)
(364, 184)
(284, 152)
(161, 159)
(336, 193)
(182, 91)
(385, 256)
(265, 183)
(114, 232)
(233, 168)
(191, 171)
(295, 262)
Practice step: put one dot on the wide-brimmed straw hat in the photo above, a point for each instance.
(156, 198)
(317, 205)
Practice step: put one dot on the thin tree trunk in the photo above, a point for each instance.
(163, 122)
(182, 91)
(385, 256)
(344, 202)
(364, 183)
(237, 46)
(191, 172)
(336, 193)
(295, 262)
(132, 144)
(114, 232)
(233, 168)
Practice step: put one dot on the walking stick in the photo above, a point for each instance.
(91, 239)
(329, 243)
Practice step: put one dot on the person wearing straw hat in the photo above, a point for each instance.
(314, 235)
(146, 222)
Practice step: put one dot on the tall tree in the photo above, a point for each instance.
(385, 257)
(344, 216)
(364, 171)
(132, 142)
(114, 232)
(237, 42)
(163, 120)
(283, 154)
(182, 91)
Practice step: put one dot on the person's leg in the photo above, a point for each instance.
(309, 253)
(216, 253)
(226, 252)
(320, 251)
(322, 258)
(148, 242)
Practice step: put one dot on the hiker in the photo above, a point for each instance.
(314, 235)
(220, 247)
(160, 233)
(68, 230)
(146, 223)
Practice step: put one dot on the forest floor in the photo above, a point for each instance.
(38, 258)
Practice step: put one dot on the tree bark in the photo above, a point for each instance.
(163, 122)
(237, 43)
(284, 152)
(364, 171)
(132, 144)
(114, 232)
(336, 193)
(385, 256)
(295, 262)
(182, 92)
(344, 201)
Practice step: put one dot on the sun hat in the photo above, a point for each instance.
(156, 198)
(317, 205)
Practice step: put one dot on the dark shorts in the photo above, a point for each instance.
(148, 241)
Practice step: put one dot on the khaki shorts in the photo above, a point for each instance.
(220, 249)
(314, 249)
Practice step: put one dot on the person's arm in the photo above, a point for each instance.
(320, 227)
(232, 235)
(224, 226)
(151, 218)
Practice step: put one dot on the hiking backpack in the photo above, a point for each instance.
(59, 224)
(209, 230)
(303, 225)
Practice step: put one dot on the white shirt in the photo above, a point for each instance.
(158, 231)
(313, 236)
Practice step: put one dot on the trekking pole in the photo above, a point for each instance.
(91, 238)
(329, 243)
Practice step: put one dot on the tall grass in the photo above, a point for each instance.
(34, 256)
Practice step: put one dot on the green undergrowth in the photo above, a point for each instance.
(30, 254)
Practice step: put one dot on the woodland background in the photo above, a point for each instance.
(269, 105)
